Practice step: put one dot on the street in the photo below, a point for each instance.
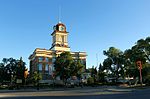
(79, 94)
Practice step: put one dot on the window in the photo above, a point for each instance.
(56, 38)
(53, 39)
(46, 67)
(40, 66)
(53, 59)
(62, 37)
(47, 59)
(83, 62)
(51, 69)
(40, 59)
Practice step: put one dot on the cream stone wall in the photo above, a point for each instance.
(59, 38)
(60, 48)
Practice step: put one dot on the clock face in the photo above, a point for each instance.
(61, 28)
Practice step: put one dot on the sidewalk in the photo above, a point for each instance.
(76, 89)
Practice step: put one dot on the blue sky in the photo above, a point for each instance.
(93, 25)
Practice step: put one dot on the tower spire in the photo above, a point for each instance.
(59, 16)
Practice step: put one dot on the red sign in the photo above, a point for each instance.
(139, 64)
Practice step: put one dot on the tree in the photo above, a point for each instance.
(131, 69)
(139, 52)
(93, 72)
(107, 65)
(10, 65)
(143, 46)
(1, 72)
(35, 79)
(11, 69)
(65, 66)
(119, 64)
(62, 65)
(114, 62)
(76, 68)
(101, 74)
(20, 69)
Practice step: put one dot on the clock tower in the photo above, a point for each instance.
(60, 35)
(42, 60)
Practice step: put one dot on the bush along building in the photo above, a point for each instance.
(42, 60)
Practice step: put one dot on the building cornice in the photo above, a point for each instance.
(61, 32)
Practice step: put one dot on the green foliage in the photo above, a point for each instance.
(139, 52)
(20, 69)
(66, 67)
(62, 65)
(119, 64)
(36, 77)
(11, 69)
(76, 68)
(1, 72)
(90, 81)
(101, 76)
(144, 47)
(113, 64)
(147, 79)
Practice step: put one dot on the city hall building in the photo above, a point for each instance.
(41, 60)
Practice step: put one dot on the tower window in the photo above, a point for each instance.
(62, 37)
(54, 39)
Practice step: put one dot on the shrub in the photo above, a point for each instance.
(90, 81)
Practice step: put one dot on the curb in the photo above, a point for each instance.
(120, 90)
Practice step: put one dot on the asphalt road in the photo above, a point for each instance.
(136, 94)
